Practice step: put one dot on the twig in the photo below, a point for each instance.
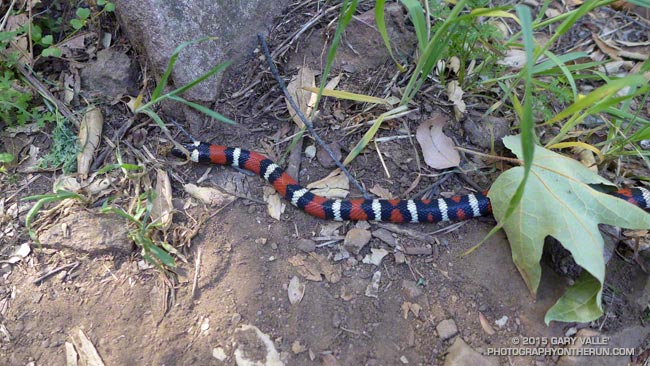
(510, 160)
(55, 271)
(197, 267)
(302, 117)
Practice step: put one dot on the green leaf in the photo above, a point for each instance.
(77, 24)
(416, 13)
(110, 7)
(207, 111)
(380, 20)
(47, 40)
(51, 52)
(559, 202)
(581, 302)
(6, 158)
(101, 2)
(83, 13)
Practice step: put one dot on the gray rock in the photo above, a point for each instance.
(461, 354)
(111, 74)
(385, 236)
(325, 159)
(158, 27)
(631, 337)
(481, 130)
(306, 245)
(356, 239)
(90, 232)
(363, 49)
(447, 329)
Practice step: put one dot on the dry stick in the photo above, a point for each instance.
(197, 268)
(302, 117)
(55, 271)
(65, 111)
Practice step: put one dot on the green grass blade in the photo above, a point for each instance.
(562, 59)
(210, 72)
(417, 16)
(170, 65)
(347, 12)
(598, 95)
(370, 134)
(380, 21)
(204, 110)
(340, 94)
(569, 77)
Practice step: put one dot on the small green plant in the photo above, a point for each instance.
(156, 252)
(63, 152)
(16, 106)
(42, 199)
(5, 158)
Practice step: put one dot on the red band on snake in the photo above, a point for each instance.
(455, 208)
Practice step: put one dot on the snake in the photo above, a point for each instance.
(455, 208)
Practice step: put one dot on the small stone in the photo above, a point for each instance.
(356, 239)
(372, 290)
(410, 291)
(296, 347)
(461, 354)
(112, 74)
(447, 329)
(399, 257)
(306, 245)
(325, 159)
(260, 241)
(310, 151)
(385, 236)
(501, 322)
(219, 353)
(235, 319)
(404, 360)
(375, 256)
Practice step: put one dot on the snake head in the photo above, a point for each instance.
(196, 151)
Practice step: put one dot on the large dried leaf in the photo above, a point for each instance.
(303, 98)
(274, 204)
(296, 290)
(90, 131)
(88, 354)
(455, 95)
(438, 149)
(209, 196)
(559, 202)
(335, 185)
(162, 208)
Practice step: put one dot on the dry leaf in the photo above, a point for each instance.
(313, 266)
(70, 355)
(274, 204)
(607, 49)
(438, 149)
(454, 64)
(515, 58)
(455, 95)
(375, 256)
(381, 192)
(162, 209)
(88, 354)
(209, 196)
(90, 131)
(303, 98)
(335, 185)
(296, 290)
(485, 324)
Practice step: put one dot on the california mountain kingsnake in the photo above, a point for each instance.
(442, 209)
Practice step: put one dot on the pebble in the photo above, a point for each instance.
(461, 354)
(306, 245)
(356, 239)
(447, 329)
(219, 353)
(410, 291)
(324, 158)
(385, 236)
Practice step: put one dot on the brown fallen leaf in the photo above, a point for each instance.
(335, 185)
(381, 192)
(303, 98)
(274, 204)
(455, 95)
(296, 290)
(485, 324)
(607, 49)
(313, 266)
(209, 196)
(162, 208)
(438, 149)
(515, 59)
(90, 131)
